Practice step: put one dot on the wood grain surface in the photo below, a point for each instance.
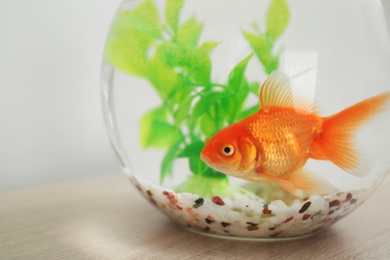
(105, 218)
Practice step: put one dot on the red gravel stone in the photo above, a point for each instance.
(266, 211)
(217, 200)
(288, 220)
(334, 203)
(252, 226)
(306, 216)
(349, 196)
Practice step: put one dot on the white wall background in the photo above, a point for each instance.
(51, 126)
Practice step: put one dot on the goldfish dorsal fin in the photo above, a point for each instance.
(276, 91)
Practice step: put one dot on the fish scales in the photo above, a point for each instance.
(283, 137)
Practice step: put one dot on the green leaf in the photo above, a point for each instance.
(191, 150)
(206, 102)
(126, 48)
(132, 34)
(172, 54)
(249, 111)
(228, 104)
(167, 162)
(163, 78)
(145, 18)
(241, 96)
(183, 109)
(199, 63)
(255, 88)
(262, 46)
(208, 126)
(172, 12)
(200, 67)
(237, 75)
(195, 165)
(189, 33)
(211, 173)
(278, 17)
(156, 132)
(208, 46)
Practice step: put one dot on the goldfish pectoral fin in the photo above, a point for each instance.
(305, 181)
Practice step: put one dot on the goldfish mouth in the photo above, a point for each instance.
(205, 158)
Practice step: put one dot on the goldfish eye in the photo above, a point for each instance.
(227, 150)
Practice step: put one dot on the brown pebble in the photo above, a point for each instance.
(349, 196)
(306, 216)
(225, 224)
(149, 193)
(334, 203)
(217, 200)
(305, 207)
(331, 212)
(266, 211)
(252, 226)
(208, 221)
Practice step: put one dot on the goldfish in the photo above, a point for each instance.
(274, 144)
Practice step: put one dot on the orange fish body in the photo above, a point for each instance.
(275, 143)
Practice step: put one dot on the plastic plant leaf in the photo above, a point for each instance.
(127, 47)
(189, 33)
(239, 86)
(237, 75)
(255, 88)
(208, 126)
(209, 46)
(163, 78)
(132, 34)
(199, 63)
(262, 45)
(200, 67)
(249, 111)
(183, 110)
(167, 162)
(156, 132)
(277, 18)
(172, 54)
(228, 104)
(206, 102)
(191, 150)
(145, 18)
(172, 13)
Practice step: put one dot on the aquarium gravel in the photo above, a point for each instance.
(249, 218)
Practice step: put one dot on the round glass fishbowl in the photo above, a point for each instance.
(257, 119)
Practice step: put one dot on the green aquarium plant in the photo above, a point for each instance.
(166, 52)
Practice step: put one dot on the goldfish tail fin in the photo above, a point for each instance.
(335, 142)
(303, 180)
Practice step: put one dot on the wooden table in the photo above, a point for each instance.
(105, 218)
